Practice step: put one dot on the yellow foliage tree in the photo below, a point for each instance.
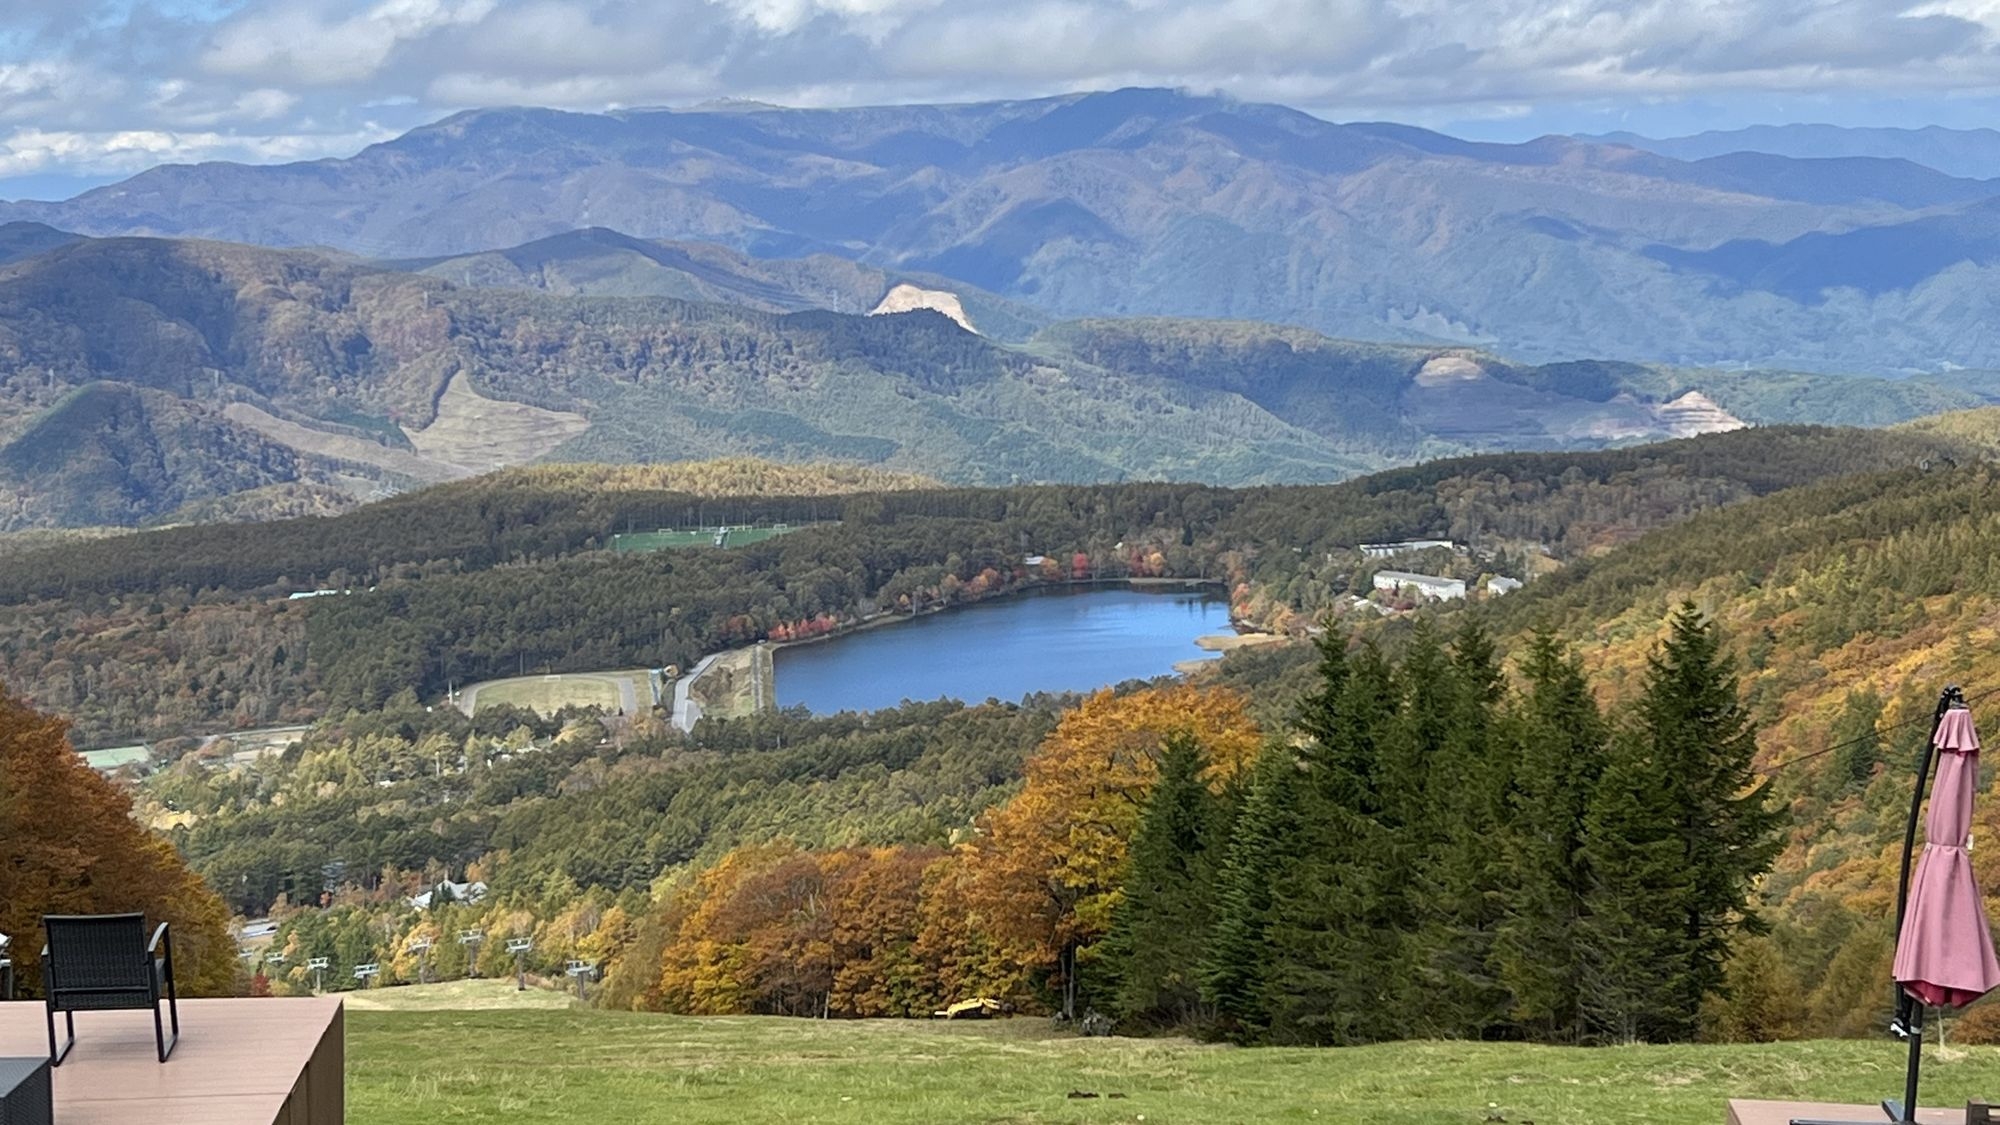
(1045, 876)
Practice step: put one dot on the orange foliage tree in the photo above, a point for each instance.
(69, 845)
(774, 930)
(1043, 879)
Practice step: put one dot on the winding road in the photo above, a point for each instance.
(686, 711)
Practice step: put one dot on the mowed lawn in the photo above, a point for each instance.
(407, 1068)
(549, 694)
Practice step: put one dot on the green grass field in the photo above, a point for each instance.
(549, 694)
(696, 537)
(407, 1068)
(484, 994)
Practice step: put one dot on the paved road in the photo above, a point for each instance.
(686, 711)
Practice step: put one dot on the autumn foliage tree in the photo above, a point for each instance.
(69, 845)
(774, 930)
(1047, 873)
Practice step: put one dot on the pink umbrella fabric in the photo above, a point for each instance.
(1945, 954)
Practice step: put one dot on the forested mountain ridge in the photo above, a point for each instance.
(596, 262)
(1154, 202)
(296, 368)
(1971, 153)
(187, 629)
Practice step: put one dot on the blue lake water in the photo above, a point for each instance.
(1059, 640)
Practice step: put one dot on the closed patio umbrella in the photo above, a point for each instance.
(1944, 953)
(1944, 948)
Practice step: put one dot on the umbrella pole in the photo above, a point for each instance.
(1909, 1019)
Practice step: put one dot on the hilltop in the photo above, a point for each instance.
(147, 375)
(1156, 202)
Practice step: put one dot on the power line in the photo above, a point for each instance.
(1772, 769)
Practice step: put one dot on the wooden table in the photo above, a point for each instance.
(239, 1062)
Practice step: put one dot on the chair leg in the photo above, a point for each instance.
(160, 1037)
(56, 1056)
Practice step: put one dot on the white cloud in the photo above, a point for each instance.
(28, 151)
(300, 44)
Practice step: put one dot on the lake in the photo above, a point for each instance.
(1075, 639)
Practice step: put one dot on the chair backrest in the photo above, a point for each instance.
(96, 951)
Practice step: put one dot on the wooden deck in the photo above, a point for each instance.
(1782, 1113)
(239, 1062)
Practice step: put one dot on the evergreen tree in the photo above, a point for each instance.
(1697, 727)
(1857, 735)
(1560, 744)
(1160, 928)
(1631, 946)
(1457, 906)
(1339, 907)
(1237, 963)
(1678, 834)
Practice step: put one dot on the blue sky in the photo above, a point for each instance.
(92, 90)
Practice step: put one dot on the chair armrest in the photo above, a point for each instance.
(159, 935)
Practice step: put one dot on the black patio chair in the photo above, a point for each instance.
(6, 968)
(103, 962)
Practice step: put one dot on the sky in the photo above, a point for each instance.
(93, 90)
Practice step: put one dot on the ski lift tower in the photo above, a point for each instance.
(471, 939)
(422, 948)
(579, 971)
(368, 972)
(520, 947)
(319, 965)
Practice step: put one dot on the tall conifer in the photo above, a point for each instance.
(1237, 963)
(1678, 834)
(1560, 745)
(1160, 927)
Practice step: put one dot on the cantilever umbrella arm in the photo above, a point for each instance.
(1908, 1023)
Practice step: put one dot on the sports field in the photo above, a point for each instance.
(612, 691)
(698, 537)
(527, 1067)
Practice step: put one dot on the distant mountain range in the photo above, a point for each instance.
(1972, 153)
(1157, 203)
(146, 379)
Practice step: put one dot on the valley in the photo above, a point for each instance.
(1137, 604)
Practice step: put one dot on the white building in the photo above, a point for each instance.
(1498, 585)
(454, 892)
(1388, 550)
(1425, 585)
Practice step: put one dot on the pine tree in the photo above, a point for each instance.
(1339, 907)
(1857, 735)
(1237, 962)
(1457, 905)
(1700, 733)
(1160, 927)
(1631, 946)
(1560, 738)
(1676, 836)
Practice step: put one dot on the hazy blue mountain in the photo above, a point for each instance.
(1972, 153)
(25, 240)
(1131, 203)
